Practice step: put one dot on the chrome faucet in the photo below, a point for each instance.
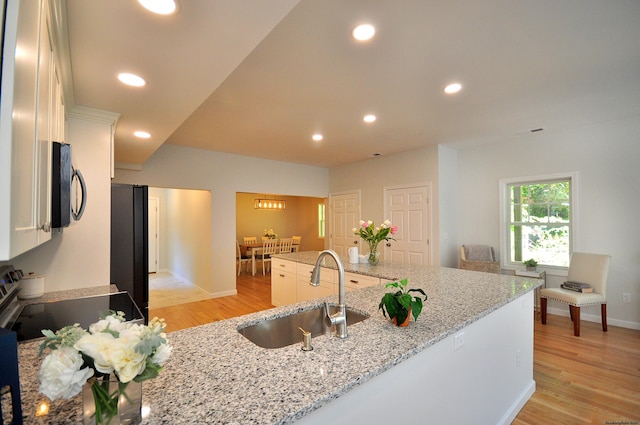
(338, 319)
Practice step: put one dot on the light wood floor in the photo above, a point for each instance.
(593, 379)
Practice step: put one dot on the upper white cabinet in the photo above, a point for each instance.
(31, 117)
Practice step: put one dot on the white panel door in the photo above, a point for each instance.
(344, 210)
(409, 209)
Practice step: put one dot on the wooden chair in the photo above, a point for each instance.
(480, 258)
(591, 269)
(296, 243)
(247, 240)
(242, 258)
(286, 245)
(269, 247)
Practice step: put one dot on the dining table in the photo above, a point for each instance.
(256, 249)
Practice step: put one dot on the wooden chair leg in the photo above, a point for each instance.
(571, 312)
(603, 312)
(543, 310)
(575, 313)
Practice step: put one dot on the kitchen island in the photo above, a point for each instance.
(469, 355)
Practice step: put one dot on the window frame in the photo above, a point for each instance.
(322, 220)
(505, 214)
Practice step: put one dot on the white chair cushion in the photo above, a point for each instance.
(577, 299)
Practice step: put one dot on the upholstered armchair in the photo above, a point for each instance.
(480, 258)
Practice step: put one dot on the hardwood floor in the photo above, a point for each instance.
(254, 294)
(591, 379)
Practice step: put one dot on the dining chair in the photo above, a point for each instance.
(242, 258)
(286, 245)
(269, 247)
(591, 269)
(296, 242)
(247, 240)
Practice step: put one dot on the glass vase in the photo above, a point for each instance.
(105, 400)
(374, 254)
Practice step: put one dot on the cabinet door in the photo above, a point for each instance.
(18, 136)
(45, 127)
(283, 287)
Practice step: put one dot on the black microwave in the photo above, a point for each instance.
(66, 182)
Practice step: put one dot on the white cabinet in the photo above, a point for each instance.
(290, 282)
(31, 115)
(306, 291)
(355, 281)
(283, 282)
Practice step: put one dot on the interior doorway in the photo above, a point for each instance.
(182, 244)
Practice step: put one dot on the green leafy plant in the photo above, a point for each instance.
(530, 263)
(397, 304)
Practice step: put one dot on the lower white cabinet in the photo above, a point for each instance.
(290, 282)
(283, 282)
(306, 291)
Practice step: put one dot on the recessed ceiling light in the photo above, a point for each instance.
(142, 134)
(161, 7)
(317, 137)
(131, 79)
(363, 32)
(453, 88)
(369, 118)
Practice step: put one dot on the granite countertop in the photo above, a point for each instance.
(215, 375)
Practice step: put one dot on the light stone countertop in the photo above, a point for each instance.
(215, 375)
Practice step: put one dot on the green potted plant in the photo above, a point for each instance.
(531, 264)
(401, 305)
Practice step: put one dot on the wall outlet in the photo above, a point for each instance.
(626, 297)
(458, 341)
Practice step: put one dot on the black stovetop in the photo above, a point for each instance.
(85, 311)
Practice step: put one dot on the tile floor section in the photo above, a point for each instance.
(166, 290)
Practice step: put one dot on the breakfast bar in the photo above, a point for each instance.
(471, 348)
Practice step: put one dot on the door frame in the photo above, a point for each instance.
(156, 242)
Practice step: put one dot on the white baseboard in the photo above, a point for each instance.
(223, 293)
(595, 318)
(518, 404)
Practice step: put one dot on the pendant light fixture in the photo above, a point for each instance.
(269, 204)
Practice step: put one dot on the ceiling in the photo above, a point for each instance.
(258, 78)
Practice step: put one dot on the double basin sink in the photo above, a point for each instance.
(283, 331)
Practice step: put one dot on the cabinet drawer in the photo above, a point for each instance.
(357, 281)
(283, 265)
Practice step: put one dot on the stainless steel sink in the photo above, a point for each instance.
(283, 331)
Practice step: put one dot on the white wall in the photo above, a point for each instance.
(224, 175)
(79, 256)
(605, 156)
(373, 175)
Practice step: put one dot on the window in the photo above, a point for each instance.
(321, 221)
(538, 220)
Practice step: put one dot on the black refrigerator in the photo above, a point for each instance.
(130, 242)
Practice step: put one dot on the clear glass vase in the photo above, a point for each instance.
(374, 254)
(105, 400)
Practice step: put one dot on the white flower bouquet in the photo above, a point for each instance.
(131, 351)
(270, 234)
